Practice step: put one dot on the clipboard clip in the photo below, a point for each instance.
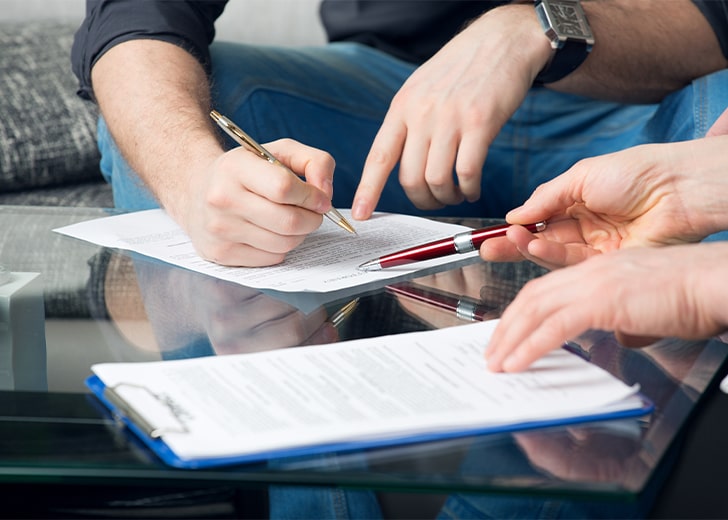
(155, 414)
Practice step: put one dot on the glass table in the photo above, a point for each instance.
(91, 304)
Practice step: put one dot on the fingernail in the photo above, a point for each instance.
(510, 364)
(493, 366)
(358, 210)
(324, 205)
(513, 212)
(329, 188)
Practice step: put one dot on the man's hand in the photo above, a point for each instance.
(245, 211)
(184, 307)
(237, 208)
(447, 113)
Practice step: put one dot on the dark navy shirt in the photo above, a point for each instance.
(412, 30)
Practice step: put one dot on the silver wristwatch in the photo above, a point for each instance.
(566, 26)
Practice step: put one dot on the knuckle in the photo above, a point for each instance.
(289, 243)
(379, 156)
(439, 181)
(289, 224)
(409, 183)
(215, 227)
(219, 253)
(467, 172)
(327, 160)
(280, 186)
(218, 198)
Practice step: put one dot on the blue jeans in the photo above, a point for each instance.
(334, 98)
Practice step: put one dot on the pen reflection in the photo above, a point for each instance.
(461, 307)
(476, 292)
(179, 313)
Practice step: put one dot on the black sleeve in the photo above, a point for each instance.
(187, 24)
(411, 30)
(716, 12)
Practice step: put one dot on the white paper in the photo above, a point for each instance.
(326, 261)
(376, 388)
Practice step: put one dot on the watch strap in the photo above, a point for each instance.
(564, 61)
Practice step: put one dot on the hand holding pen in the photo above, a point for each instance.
(243, 139)
(239, 210)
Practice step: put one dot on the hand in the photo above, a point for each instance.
(448, 112)
(602, 453)
(240, 319)
(656, 194)
(244, 211)
(237, 208)
(181, 306)
(651, 292)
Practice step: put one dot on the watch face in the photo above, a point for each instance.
(567, 19)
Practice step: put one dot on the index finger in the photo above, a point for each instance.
(384, 154)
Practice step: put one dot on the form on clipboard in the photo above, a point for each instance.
(405, 388)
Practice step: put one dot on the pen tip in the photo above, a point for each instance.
(346, 225)
(371, 265)
(349, 227)
(338, 219)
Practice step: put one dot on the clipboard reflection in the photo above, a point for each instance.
(179, 313)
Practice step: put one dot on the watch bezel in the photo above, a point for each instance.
(545, 14)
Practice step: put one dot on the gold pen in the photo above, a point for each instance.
(344, 312)
(248, 142)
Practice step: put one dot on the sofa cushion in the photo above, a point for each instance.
(47, 133)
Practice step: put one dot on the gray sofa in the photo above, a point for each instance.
(48, 153)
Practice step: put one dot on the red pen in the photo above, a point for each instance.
(461, 243)
(464, 308)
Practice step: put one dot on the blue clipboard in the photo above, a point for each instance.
(153, 437)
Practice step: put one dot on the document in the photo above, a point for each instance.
(326, 261)
(379, 391)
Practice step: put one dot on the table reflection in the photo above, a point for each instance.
(106, 305)
(180, 313)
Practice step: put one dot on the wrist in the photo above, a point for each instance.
(567, 29)
(522, 32)
(698, 167)
(188, 175)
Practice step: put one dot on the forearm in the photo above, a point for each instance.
(699, 167)
(644, 50)
(155, 99)
(710, 282)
